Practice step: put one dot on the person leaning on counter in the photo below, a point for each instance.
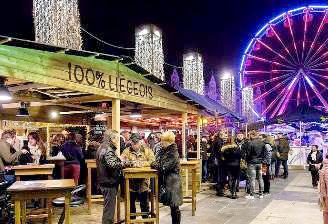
(109, 173)
(138, 155)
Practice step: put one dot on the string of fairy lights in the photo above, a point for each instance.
(57, 22)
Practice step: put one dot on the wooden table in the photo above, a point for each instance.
(31, 170)
(22, 191)
(191, 166)
(60, 162)
(141, 173)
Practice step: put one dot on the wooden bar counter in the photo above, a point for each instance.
(191, 166)
(22, 191)
(141, 173)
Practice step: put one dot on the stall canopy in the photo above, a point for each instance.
(208, 105)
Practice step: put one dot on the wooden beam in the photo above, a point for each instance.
(183, 135)
(199, 122)
(116, 119)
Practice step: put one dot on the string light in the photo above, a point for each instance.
(228, 91)
(57, 22)
(193, 77)
(247, 103)
(149, 50)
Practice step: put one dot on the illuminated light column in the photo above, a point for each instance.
(57, 22)
(149, 50)
(228, 91)
(193, 77)
(247, 103)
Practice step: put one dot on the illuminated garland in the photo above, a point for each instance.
(57, 22)
(149, 50)
(193, 78)
(247, 103)
(228, 93)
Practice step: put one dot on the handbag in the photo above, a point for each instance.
(164, 195)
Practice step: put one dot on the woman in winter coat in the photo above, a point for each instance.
(168, 165)
(323, 189)
(314, 160)
(231, 154)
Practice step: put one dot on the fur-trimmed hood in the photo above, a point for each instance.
(231, 146)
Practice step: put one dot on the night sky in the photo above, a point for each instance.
(218, 29)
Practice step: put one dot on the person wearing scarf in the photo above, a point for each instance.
(314, 160)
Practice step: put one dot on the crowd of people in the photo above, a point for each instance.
(226, 160)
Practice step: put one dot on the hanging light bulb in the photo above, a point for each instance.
(5, 95)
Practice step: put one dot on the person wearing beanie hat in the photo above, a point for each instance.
(138, 155)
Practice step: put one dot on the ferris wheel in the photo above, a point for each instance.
(286, 63)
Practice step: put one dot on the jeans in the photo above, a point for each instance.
(109, 194)
(175, 215)
(273, 167)
(221, 179)
(255, 173)
(266, 179)
(233, 173)
(315, 177)
(285, 166)
(204, 170)
(144, 202)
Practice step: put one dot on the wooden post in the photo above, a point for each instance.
(199, 122)
(183, 135)
(116, 118)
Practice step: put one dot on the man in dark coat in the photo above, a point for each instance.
(283, 151)
(254, 158)
(221, 172)
(109, 167)
(125, 140)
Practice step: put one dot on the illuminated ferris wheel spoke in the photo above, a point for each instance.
(317, 93)
(282, 43)
(316, 36)
(270, 80)
(278, 54)
(271, 90)
(279, 104)
(318, 75)
(266, 72)
(306, 92)
(274, 101)
(320, 69)
(317, 81)
(268, 61)
(318, 59)
(299, 93)
(289, 95)
(305, 31)
(318, 65)
(309, 61)
(293, 38)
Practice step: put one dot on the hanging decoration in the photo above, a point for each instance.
(149, 50)
(228, 92)
(247, 103)
(57, 22)
(211, 91)
(175, 79)
(193, 78)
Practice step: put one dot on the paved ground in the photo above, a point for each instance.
(293, 201)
